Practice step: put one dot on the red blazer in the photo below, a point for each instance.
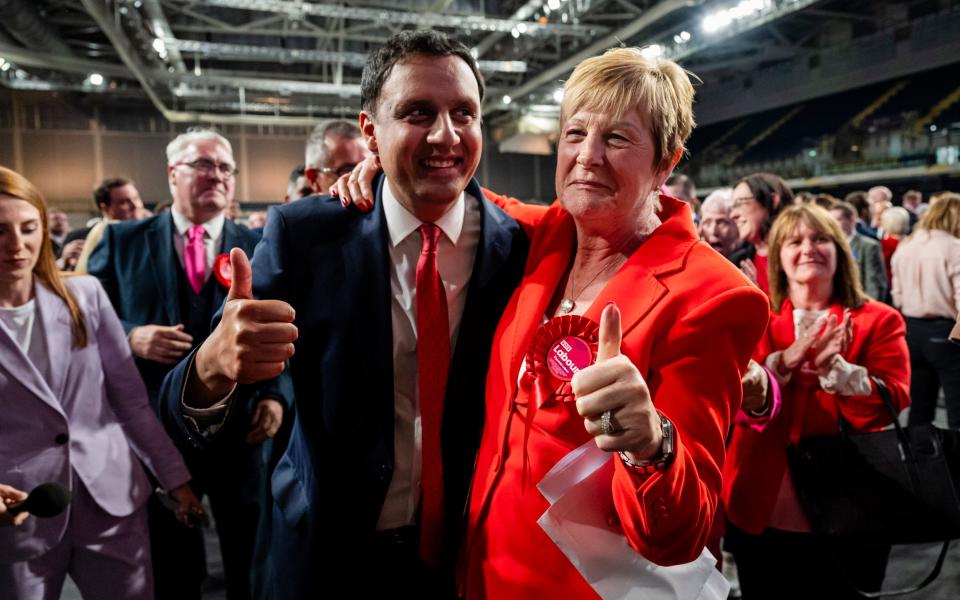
(690, 323)
(756, 460)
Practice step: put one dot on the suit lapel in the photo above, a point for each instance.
(19, 367)
(366, 260)
(539, 284)
(164, 262)
(666, 249)
(58, 331)
(495, 239)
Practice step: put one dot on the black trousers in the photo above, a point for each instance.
(935, 363)
(785, 565)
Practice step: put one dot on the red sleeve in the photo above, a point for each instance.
(667, 517)
(528, 215)
(884, 354)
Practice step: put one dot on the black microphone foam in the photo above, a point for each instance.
(46, 500)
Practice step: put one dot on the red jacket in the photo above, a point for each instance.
(690, 323)
(756, 461)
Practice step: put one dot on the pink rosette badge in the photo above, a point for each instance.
(562, 347)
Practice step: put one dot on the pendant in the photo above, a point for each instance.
(566, 305)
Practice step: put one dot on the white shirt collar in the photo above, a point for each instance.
(401, 222)
(182, 224)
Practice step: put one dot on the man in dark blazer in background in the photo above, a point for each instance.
(159, 275)
(391, 315)
(866, 251)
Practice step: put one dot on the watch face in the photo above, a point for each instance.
(668, 437)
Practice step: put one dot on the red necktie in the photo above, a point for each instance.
(433, 360)
(195, 257)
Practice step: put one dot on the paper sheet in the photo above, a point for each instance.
(578, 489)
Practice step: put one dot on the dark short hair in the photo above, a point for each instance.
(848, 210)
(296, 173)
(398, 47)
(858, 199)
(763, 187)
(101, 195)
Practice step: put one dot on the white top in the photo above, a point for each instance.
(24, 327)
(212, 238)
(839, 377)
(456, 250)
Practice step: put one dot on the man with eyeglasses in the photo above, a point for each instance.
(165, 278)
(333, 149)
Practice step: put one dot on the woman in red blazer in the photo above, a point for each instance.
(825, 341)
(656, 383)
(664, 383)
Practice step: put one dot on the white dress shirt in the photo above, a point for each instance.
(212, 238)
(456, 250)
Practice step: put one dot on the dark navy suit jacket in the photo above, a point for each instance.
(332, 265)
(138, 265)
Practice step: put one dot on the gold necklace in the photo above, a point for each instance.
(567, 303)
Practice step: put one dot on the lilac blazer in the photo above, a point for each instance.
(91, 421)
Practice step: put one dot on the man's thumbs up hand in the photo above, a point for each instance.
(241, 278)
(251, 343)
(614, 384)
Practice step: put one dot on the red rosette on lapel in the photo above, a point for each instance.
(560, 348)
(223, 270)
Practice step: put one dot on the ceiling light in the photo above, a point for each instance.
(5, 67)
(159, 46)
(515, 33)
(522, 27)
(685, 36)
(716, 21)
(558, 95)
(652, 51)
(507, 99)
(553, 4)
(95, 79)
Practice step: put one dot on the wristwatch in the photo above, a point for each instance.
(667, 453)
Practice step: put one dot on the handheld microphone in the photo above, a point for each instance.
(45, 501)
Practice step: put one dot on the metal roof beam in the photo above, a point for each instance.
(471, 22)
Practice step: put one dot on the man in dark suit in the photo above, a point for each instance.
(117, 199)
(391, 314)
(160, 276)
(866, 251)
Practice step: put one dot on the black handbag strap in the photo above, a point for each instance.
(905, 445)
(901, 591)
(884, 392)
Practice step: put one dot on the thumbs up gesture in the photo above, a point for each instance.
(614, 384)
(251, 343)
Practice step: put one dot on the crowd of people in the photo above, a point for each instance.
(382, 369)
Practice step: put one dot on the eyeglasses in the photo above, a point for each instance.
(208, 167)
(340, 171)
(742, 201)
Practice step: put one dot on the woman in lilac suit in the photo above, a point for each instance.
(73, 410)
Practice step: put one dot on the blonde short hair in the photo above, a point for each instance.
(623, 80)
